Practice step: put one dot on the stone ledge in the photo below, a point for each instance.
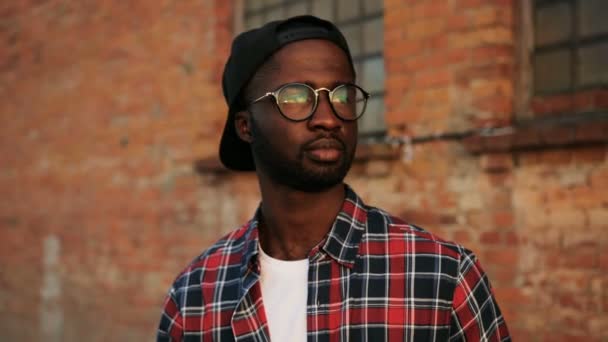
(541, 136)
(532, 136)
(368, 152)
(209, 165)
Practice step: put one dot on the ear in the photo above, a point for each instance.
(242, 124)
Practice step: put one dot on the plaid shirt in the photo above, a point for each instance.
(373, 278)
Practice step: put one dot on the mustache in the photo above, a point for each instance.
(328, 140)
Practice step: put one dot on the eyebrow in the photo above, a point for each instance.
(332, 86)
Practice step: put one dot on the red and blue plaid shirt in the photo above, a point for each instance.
(373, 278)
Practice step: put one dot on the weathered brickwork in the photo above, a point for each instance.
(106, 108)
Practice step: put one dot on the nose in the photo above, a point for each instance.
(324, 116)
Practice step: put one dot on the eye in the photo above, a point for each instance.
(295, 94)
(344, 94)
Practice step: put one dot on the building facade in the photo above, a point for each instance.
(488, 126)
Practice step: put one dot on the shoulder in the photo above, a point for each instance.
(224, 256)
(427, 257)
(383, 226)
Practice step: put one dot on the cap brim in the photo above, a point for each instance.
(235, 153)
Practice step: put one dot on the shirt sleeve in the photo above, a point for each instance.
(475, 314)
(170, 328)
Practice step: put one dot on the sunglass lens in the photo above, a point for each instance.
(296, 101)
(349, 101)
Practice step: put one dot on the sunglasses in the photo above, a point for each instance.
(298, 101)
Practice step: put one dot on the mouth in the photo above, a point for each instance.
(325, 150)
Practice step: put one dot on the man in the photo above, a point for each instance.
(315, 263)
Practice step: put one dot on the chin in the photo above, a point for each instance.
(318, 179)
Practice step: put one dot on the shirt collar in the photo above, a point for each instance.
(341, 242)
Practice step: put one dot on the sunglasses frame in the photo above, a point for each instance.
(275, 95)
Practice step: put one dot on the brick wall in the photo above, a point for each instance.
(535, 217)
(107, 107)
(104, 107)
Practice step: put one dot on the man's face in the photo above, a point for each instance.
(314, 154)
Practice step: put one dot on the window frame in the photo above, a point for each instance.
(572, 45)
(242, 13)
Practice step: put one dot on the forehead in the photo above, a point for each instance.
(313, 58)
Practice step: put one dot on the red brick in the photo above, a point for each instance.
(491, 237)
(458, 23)
(601, 99)
(433, 78)
(492, 54)
(486, 16)
(464, 237)
(590, 155)
(512, 295)
(424, 218)
(585, 197)
(422, 29)
(491, 87)
(556, 157)
(603, 262)
(599, 178)
(528, 158)
(511, 238)
(406, 48)
(429, 9)
(497, 105)
(500, 179)
(503, 256)
(503, 219)
(480, 37)
(471, 3)
(397, 85)
(438, 42)
(497, 143)
(496, 162)
(586, 260)
(506, 275)
(592, 133)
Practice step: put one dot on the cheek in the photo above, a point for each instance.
(351, 132)
(283, 135)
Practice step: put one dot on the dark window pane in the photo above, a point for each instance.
(552, 71)
(254, 21)
(272, 2)
(253, 4)
(275, 14)
(352, 33)
(297, 8)
(372, 75)
(323, 9)
(373, 35)
(372, 6)
(553, 23)
(593, 64)
(348, 9)
(373, 119)
(593, 17)
(359, 72)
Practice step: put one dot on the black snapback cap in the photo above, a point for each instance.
(250, 50)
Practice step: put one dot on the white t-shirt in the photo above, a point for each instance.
(284, 294)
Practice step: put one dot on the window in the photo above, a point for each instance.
(361, 22)
(570, 45)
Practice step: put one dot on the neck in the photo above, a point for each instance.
(293, 222)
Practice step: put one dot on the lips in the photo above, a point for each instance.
(325, 143)
(325, 150)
